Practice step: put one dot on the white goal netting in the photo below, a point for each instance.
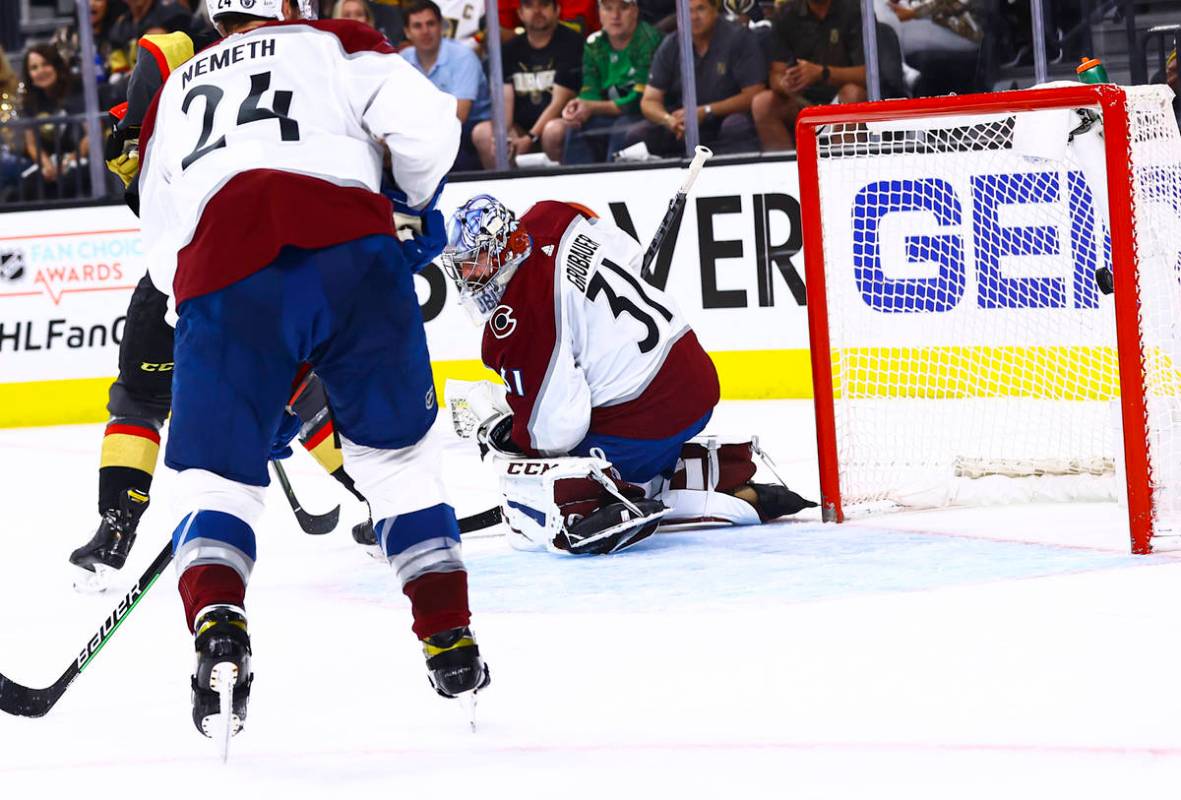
(973, 356)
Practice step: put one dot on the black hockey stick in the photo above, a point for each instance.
(26, 702)
(676, 206)
(314, 524)
(484, 519)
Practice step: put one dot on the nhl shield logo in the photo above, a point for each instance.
(248, 4)
(12, 264)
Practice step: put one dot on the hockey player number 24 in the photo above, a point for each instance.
(247, 112)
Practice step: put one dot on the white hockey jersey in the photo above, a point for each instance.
(583, 344)
(462, 19)
(276, 137)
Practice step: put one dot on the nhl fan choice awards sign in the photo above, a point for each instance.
(735, 267)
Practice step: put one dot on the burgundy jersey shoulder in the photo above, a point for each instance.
(355, 37)
(548, 220)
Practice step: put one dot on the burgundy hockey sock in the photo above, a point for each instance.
(210, 584)
(438, 601)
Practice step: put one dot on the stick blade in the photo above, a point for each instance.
(23, 701)
(318, 524)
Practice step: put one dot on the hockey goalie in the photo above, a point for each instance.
(596, 428)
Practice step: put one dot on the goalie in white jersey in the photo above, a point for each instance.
(261, 165)
(599, 365)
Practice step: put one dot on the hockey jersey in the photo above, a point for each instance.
(583, 344)
(275, 137)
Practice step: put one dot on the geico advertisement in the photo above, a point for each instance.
(733, 264)
(65, 280)
(1004, 254)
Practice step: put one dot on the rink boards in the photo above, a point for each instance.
(735, 268)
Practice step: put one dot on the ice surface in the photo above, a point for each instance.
(988, 653)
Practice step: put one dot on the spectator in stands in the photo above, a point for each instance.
(543, 72)
(53, 147)
(103, 14)
(941, 39)
(730, 71)
(581, 16)
(357, 10)
(615, 66)
(148, 16)
(661, 14)
(817, 58)
(12, 160)
(386, 18)
(450, 66)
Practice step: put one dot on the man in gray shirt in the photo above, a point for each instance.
(729, 69)
(816, 58)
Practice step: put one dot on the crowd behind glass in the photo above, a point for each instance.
(584, 81)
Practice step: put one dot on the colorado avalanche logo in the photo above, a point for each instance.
(501, 322)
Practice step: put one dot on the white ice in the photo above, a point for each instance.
(996, 653)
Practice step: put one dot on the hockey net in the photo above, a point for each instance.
(962, 350)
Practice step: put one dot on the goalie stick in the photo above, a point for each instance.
(676, 207)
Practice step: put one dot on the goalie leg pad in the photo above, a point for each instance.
(555, 504)
(711, 470)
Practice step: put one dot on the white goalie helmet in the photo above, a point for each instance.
(485, 245)
(268, 9)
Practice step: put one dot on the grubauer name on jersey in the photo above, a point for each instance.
(583, 344)
(276, 137)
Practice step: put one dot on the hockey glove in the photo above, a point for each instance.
(495, 435)
(121, 150)
(422, 249)
(288, 429)
(422, 231)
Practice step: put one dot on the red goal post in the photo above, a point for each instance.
(1041, 355)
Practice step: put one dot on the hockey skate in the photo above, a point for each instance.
(455, 669)
(107, 550)
(773, 500)
(222, 678)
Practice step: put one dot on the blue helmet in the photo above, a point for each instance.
(485, 245)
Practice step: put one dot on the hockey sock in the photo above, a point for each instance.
(423, 546)
(129, 451)
(439, 602)
(208, 585)
(214, 554)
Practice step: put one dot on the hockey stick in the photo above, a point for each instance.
(23, 701)
(314, 524)
(484, 519)
(676, 206)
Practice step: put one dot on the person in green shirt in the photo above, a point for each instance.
(615, 63)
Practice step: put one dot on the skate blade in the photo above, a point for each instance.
(467, 702)
(225, 724)
(96, 582)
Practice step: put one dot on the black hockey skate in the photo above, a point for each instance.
(364, 534)
(773, 500)
(108, 549)
(222, 679)
(453, 663)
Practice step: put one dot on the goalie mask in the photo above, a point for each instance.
(267, 9)
(485, 245)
